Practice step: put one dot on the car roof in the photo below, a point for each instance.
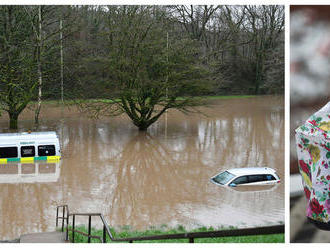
(6, 138)
(251, 171)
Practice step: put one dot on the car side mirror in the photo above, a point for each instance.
(232, 184)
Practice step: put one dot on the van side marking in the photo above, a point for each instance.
(53, 158)
(13, 159)
(27, 160)
(40, 158)
(30, 159)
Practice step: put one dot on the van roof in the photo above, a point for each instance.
(6, 138)
(251, 171)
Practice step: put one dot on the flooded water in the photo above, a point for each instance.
(154, 178)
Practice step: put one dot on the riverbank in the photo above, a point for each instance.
(127, 232)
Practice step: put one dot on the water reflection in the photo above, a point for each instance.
(159, 177)
(29, 173)
(253, 189)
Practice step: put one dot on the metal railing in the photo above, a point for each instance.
(191, 236)
(65, 209)
(64, 218)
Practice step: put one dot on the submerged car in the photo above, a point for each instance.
(246, 176)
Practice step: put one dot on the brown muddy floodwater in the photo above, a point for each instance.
(154, 178)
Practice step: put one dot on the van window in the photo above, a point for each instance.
(46, 150)
(8, 152)
(27, 151)
(241, 180)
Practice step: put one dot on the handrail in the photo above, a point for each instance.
(65, 209)
(190, 236)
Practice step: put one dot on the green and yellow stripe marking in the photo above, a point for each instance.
(30, 159)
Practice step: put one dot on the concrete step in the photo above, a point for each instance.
(10, 241)
(46, 237)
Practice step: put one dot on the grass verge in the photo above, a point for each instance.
(127, 232)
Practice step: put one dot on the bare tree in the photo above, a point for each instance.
(17, 74)
(150, 77)
(43, 20)
(195, 18)
(38, 57)
(265, 25)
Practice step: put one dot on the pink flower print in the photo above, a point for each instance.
(327, 205)
(309, 212)
(313, 122)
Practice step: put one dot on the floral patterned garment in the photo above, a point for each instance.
(313, 148)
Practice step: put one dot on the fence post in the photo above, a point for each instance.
(63, 210)
(104, 234)
(67, 224)
(73, 225)
(56, 216)
(89, 228)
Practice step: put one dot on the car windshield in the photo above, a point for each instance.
(223, 177)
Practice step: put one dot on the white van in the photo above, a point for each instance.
(28, 147)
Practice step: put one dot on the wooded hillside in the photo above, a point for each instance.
(133, 52)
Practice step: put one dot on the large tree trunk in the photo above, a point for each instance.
(143, 128)
(13, 119)
(141, 124)
(144, 124)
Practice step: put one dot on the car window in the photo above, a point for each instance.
(241, 180)
(256, 178)
(269, 177)
(223, 177)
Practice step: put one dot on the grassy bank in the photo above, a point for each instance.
(127, 232)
